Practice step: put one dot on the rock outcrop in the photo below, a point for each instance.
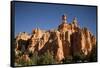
(66, 41)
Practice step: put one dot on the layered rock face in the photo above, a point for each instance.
(66, 41)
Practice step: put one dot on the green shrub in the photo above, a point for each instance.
(22, 62)
(34, 58)
(67, 59)
(46, 58)
(93, 55)
(79, 57)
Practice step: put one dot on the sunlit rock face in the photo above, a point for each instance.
(88, 44)
(43, 41)
(67, 40)
(81, 41)
(35, 41)
(58, 47)
(23, 36)
(93, 39)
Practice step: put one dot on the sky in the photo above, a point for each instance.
(29, 16)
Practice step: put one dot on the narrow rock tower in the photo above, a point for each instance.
(63, 26)
(64, 19)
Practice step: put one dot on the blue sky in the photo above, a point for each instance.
(28, 16)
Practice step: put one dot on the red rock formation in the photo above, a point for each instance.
(59, 54)
(67, 40)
